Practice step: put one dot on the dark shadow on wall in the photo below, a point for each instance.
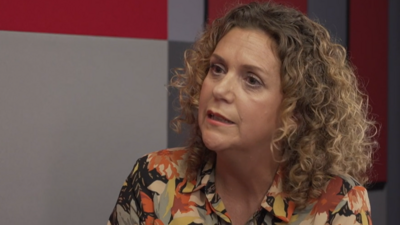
(393, 184)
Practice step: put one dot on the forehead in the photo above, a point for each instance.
(252, 39)
(250, 32)
(248, 47)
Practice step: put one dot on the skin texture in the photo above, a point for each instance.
(243, 86)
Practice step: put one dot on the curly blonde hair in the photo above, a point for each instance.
(326, 129)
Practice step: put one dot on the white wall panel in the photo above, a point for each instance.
(75, 114)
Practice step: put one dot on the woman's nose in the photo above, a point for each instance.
(225, 87)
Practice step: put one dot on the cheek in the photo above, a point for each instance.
(259, 115)
(205, 93)
(203, 99)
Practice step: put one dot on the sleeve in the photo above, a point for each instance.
(129, 208)
(354, 208)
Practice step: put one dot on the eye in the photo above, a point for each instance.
(216, 69)
(253, 80)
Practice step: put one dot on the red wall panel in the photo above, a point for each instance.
(368, 47)
(124, 18)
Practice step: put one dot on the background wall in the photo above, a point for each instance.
(83, 95)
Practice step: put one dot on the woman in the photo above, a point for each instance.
(280, 131)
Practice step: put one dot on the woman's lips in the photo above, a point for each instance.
(218, 117)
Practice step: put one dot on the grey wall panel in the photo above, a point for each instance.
(76, 113)
(331, 14)
(185, 19)
(393, 184)
(378, 201)
(175, 60)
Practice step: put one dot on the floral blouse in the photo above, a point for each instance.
(156, 192)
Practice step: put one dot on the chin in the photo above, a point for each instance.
(215, 140)
(215, 144)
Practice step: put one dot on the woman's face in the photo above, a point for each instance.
(241, 94)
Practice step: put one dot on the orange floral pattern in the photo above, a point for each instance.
(156, 192)
(182, 202)
(328, 201)
(166, 162)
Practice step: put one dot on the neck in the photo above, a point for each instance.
(244, 173)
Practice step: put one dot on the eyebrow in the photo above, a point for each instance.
(245, 66)
(218, 57)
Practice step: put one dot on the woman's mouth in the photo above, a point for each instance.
(218, 117)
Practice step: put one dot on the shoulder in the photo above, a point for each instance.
(166, 163)
(343, 199)
(156, 172)
(350, 192)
